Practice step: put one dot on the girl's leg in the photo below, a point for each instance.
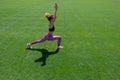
(58, 38)
(29, 45)
(39, 41)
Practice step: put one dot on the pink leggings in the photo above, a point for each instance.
(49, 37)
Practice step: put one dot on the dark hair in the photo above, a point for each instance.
(49, 18)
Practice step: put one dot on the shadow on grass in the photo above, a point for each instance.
(45, 54)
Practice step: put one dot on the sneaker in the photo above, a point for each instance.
(60, 47)
(29, 46)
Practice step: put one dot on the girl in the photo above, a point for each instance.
(49, 36)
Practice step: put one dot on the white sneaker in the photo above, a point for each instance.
(29, 46)
(60, 47)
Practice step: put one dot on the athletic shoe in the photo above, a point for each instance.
(60, 47)
(29, 46)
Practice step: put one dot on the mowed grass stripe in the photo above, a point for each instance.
(80, 51)
(100, 40)
(101, 45)
(94, 27)
(17, 18)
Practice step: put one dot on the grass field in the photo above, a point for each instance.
(90, 31)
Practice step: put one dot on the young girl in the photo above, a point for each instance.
(49, 36)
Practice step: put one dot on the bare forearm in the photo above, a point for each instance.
(54, 16)
(56, 8)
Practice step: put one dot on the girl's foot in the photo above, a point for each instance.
(29, 46)
(60, 47)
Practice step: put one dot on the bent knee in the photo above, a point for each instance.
(59, 37)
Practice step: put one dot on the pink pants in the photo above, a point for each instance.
(49, 37)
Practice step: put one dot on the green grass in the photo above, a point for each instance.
(91, 38)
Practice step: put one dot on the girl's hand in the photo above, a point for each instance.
(56, 6)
